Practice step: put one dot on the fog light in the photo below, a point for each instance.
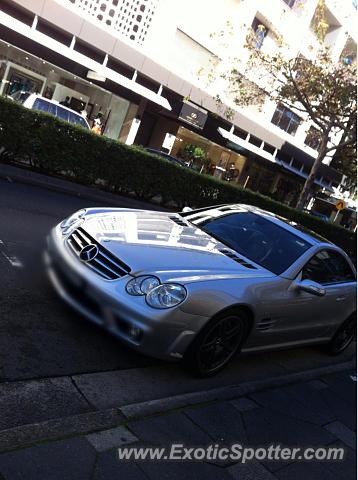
(134, 332)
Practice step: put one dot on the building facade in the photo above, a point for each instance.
(138, 64)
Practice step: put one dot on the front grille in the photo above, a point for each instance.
(104, 264)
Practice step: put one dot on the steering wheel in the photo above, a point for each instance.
(260, 245)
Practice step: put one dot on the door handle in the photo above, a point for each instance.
(340, 299)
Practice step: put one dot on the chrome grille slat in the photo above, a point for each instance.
(98, 261)
(105, 263)
(93, 267)
(77, 239)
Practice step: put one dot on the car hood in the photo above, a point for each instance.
(165, 244)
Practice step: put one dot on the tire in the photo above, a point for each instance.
(343, 336)
(217, 343)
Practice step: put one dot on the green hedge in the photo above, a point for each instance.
(56, 147)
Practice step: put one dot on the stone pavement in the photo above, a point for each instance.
(320, 412)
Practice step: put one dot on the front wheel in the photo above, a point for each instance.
(343, 336)
(216, 344)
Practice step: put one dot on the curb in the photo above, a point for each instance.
(26, 435)
(153, 407)
(26, 176)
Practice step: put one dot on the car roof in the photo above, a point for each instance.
(164, 155)
(303, 232)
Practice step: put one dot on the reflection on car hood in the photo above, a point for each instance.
(165, 244)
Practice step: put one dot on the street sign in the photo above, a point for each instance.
(340, 205)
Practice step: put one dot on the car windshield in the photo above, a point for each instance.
(255, 237)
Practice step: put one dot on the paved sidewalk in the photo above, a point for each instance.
(319, 412)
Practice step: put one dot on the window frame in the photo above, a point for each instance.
(281, 113)
(260, 34)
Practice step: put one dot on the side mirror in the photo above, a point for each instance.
(309, 286)
(187, 210)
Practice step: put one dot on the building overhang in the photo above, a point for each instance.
(90, 64)
(245, 145)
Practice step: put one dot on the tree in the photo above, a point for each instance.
(193, 154)
(318, 89)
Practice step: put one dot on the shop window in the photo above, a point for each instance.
(54, 32)
(285, 119)
(260, 32)
(20, 82)
(313, 138)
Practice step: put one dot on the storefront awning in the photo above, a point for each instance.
(81, 59)
(273, 158)
(246, 145)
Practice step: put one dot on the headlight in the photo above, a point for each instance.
(142, 285)
(74, 220)
(166, 296)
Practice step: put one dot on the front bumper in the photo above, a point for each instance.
(163, 334)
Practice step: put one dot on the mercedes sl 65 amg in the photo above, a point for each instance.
(201, 285)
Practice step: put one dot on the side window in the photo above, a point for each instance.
(316, 270)
(77, 119)
(62, 113)
(82, 122)
(339, 268)
(52, 109)
(328, 267)
(41, 104)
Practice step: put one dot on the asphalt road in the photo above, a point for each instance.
(41, 337)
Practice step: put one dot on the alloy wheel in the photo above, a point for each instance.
(220, 344)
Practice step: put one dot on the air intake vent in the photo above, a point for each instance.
(265, 324)
(234, 256)
(179, 221)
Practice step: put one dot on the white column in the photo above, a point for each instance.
(133, 131)
(4, 80)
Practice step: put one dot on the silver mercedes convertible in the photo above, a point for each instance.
(200, 286)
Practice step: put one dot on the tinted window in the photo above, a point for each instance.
(258, 239)
(62, 113)
(77, 119)
(328, 267)
(285, 119)
(52, 108)
(41, 104)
